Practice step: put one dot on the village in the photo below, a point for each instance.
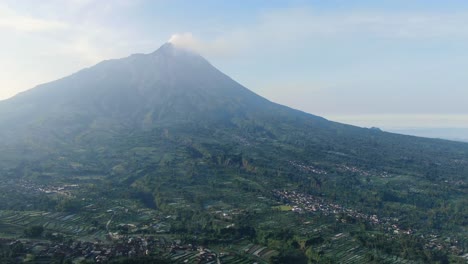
(102, 252)
(104, 230)
(306, 203)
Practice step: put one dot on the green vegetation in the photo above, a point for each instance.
(283, 207)
(34, 231)
(208, 192)
(175, 161)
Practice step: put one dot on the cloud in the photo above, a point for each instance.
(55, 40)
(11, 20)
(79, 33)
(218, 47)
(185, 40)
(72, 29)
(278, 30)
(305, 22)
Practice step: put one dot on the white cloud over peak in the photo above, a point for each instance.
(185, 40)
(224, 46)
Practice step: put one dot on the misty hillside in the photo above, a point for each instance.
(178, 89)
(167, 145)
(169, 85)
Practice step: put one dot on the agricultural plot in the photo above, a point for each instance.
(260, 251)
(195, 256)
(183, 256)
(10, 230)
(70, 224)
(344, 249)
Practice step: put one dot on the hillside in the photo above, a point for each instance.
(169, 132)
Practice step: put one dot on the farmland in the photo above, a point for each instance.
(109, 222)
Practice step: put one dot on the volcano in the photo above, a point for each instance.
(169, 132)
(175, 89)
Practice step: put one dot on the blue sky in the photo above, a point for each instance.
(391, 64)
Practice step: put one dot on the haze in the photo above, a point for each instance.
(392, 64)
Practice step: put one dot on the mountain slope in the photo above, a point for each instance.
(168, 85)
(173, 87)
(169, 129)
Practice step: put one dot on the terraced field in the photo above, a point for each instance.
(70, 224)
(344, 249)
(261, 252)
(191, 257)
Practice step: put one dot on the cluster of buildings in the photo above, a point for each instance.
(454, 246)
(98, 251)
(307, 168)
(301, 202)
(62, 190)
(362, 172)
(193, 254)
(32, 187)
(304, 202)
(102, 252)
(343, 168)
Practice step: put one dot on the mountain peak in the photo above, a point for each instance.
(167, 47)
(169, 85)
(171, 49)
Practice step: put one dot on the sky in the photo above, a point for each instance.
(391, 64)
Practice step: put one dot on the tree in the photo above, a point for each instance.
(292, 256)
(34, 231)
